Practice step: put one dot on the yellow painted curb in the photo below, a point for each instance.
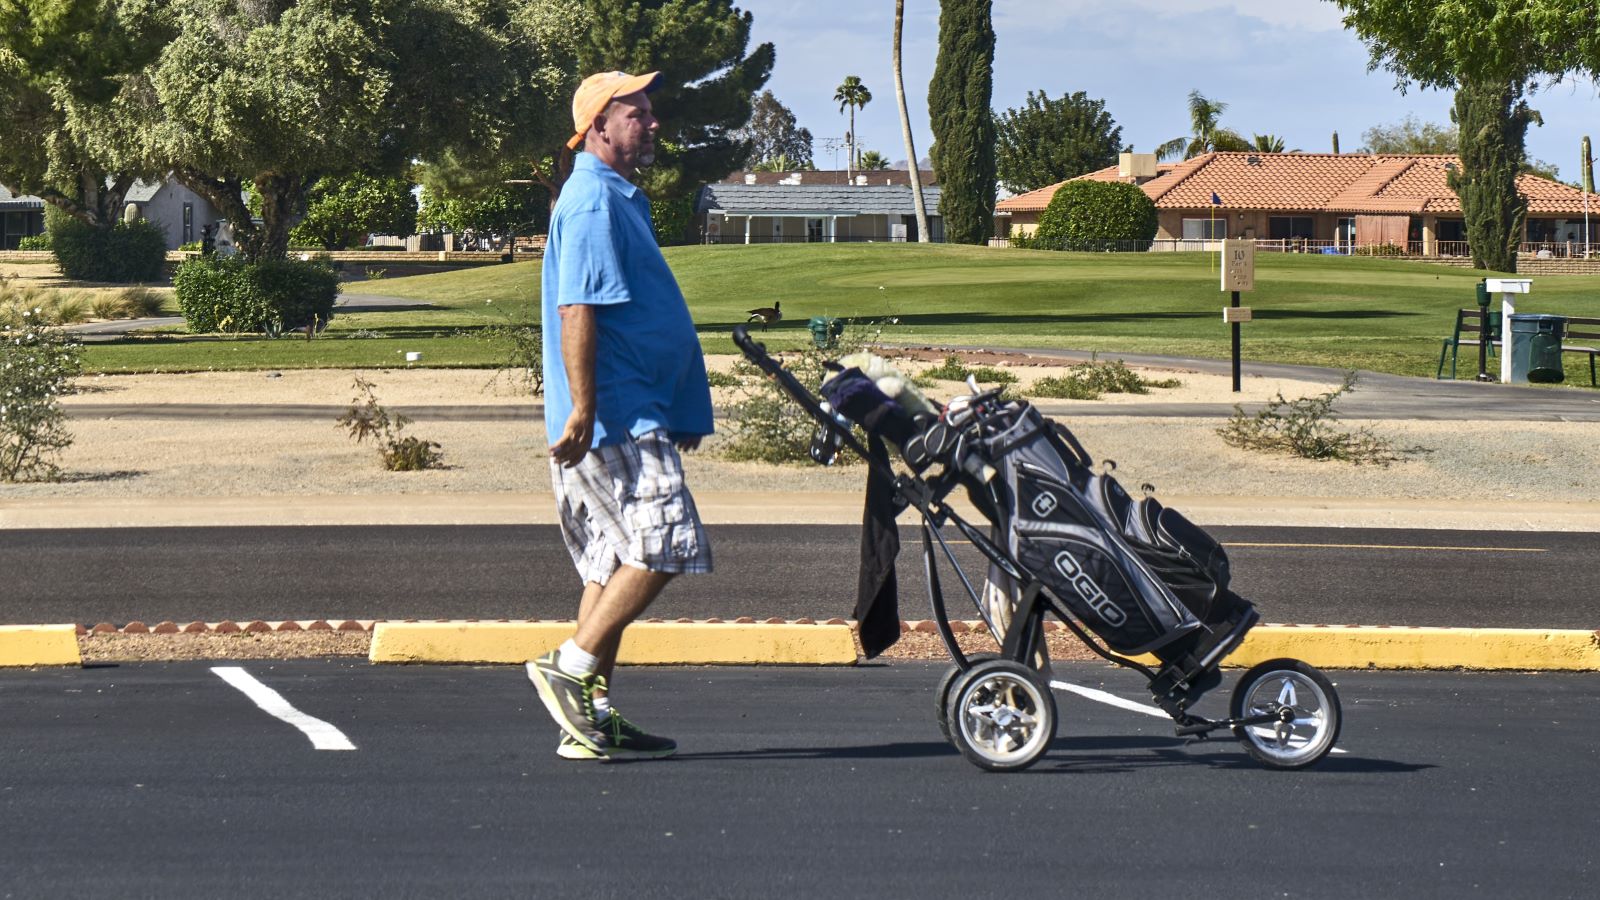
(1357, 647)
(39, 645)
(644, 643)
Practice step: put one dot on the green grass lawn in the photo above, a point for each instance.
(1375, 314)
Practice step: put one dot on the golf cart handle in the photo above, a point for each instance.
(756, 352)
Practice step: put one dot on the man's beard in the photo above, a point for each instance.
(647, 159)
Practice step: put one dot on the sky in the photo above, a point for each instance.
(1284, 67)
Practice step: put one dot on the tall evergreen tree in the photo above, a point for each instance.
(710, 83)
(959, 99)
(1047, 140)
(1497, 117)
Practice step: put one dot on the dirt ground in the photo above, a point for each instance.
(153, 455)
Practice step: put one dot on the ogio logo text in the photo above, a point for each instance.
(1088, 590)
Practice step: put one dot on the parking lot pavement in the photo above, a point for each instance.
(171, 780)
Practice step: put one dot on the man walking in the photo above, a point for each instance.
(625, 389)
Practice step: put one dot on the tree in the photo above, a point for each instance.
(1410, 135)
(1206, 135)
(711, 81)
(500, 211)
(1267, 143)
(912, 168)
(873, 161)
(782, 164)
(852, 95)
(62, 64)
(1047, 140)
(773, 133)
(262, 97)
(959, 103)
(1489, 51)
(341, 212)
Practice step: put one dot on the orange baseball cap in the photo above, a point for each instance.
(598, 90)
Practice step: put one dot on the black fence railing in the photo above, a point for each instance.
(738, 237)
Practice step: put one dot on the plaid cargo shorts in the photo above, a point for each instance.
(627, 504)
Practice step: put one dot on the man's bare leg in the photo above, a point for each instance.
(604, 612)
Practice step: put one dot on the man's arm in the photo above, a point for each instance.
(577, 356)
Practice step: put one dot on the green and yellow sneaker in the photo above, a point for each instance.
(569, 699)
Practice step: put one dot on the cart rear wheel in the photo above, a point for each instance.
(1292, 689)
(941, 694)
(1001, 716)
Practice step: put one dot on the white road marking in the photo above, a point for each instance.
(1110, 699)
(323, 736)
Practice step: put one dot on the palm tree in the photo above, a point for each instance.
(905, 129)
(1268, 143)
(1207, 134)
(852, 94)
(873, 161)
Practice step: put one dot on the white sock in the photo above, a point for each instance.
(602, 707)
(575, 661)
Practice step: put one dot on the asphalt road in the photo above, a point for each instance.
(162, 780)
(1300, 575)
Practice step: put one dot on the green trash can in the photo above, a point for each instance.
(825, 331)
(1536, 348)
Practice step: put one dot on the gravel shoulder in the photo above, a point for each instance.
(169, 459)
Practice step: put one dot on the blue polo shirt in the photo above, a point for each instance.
(602, 252)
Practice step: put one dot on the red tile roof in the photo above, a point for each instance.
(1316, 182)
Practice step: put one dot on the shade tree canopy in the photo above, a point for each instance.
(1052, 139)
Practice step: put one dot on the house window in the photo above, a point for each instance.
(777, 231)
(1541, 230)
(1344, 232)
(814, 230)
(1205, 229)
(1283, 228)
(188, 223)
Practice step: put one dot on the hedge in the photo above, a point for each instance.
(124, 253)
(1083, 215)
(226, 294)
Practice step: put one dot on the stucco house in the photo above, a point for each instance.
(20, 216)
(1327, 202)
(179, 212)
(820, 207)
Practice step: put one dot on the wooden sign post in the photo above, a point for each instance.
(1238, 274)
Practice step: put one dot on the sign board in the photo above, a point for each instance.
(1236, 314)
(1509, 285)
(1238, 265)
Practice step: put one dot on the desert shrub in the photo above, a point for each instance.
(953, 369)
(521, 357)
(1087, 381)
(227, 294)
(36, 368)
(723, 379)
(1084, 215)
(1303, 427)
(24, 305)
(123, 253)
(35, 242)
(764, 424)
(367, 418)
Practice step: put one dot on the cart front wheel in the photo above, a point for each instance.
(1304, 707)
(1001, 716)
(947, 681)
